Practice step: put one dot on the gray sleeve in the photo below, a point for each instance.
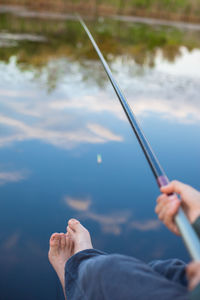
(196, 226)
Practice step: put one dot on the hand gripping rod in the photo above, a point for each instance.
(188, 234)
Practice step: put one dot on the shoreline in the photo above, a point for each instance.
(25, 12)
(60, 10)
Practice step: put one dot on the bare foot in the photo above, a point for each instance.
(60, 250)
(63, 246)
(80, 236)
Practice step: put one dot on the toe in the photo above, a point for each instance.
(54, 240)
(70, 232)
(76, 226)
(73, 222)
(70, 245)
(62, 240)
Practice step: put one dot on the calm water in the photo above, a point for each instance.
(59, 113)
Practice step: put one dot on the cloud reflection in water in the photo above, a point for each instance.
(110, 223)
(14, 176)
(67, 139)
(65, 118)
(78, 204)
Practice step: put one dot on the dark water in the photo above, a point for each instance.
(59, 115)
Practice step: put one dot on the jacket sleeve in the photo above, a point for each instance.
(196, 226)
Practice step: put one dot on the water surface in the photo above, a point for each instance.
(59, 112)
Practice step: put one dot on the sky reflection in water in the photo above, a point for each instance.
(49, 141)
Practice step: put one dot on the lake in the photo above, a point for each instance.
(67, 149)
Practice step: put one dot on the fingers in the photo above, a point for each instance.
(193, 274)
(174, 187)
(166, 204)
(166, 209)
(170, 212)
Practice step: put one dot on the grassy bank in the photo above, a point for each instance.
(179, 10)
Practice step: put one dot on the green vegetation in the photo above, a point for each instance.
(66, 39)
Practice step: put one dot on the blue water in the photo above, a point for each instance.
(49, 143)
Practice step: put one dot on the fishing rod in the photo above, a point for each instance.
(188, 234)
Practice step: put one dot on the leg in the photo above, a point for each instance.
(92, 274)
(118, 277)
